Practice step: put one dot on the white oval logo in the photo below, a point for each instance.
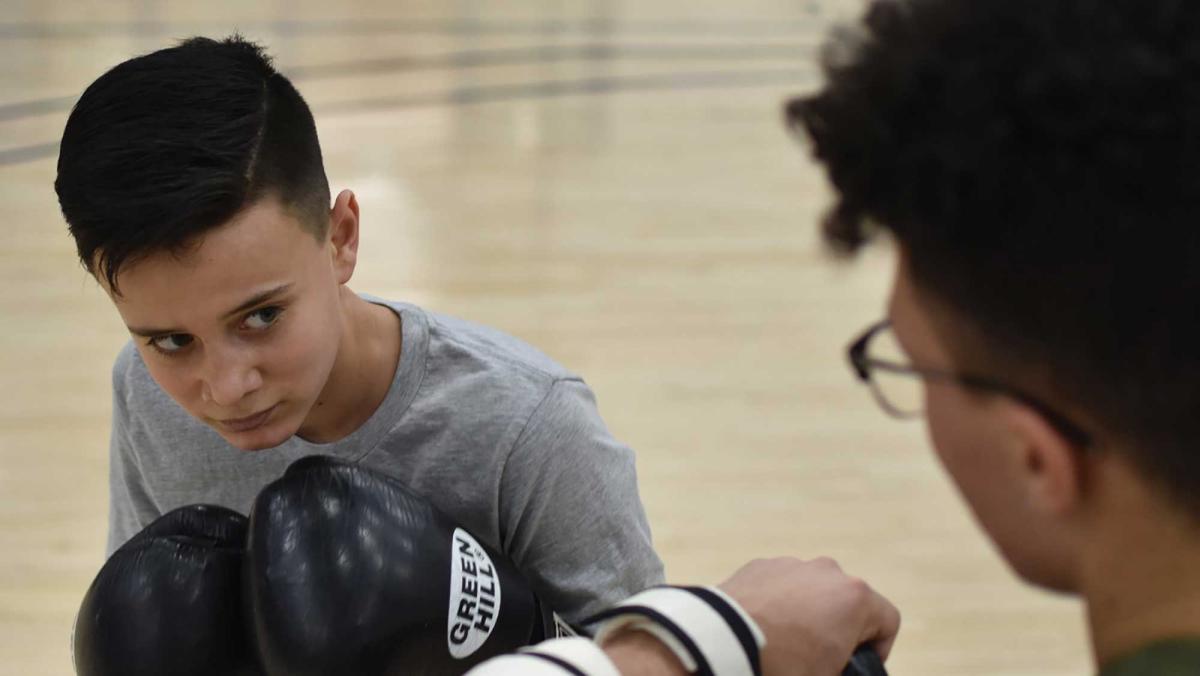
(474, 596)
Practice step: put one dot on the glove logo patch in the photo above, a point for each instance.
(474, 596)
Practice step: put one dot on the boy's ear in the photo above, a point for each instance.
(343, 235)
(1052, 466)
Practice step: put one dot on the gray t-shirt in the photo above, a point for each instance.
(491, 431)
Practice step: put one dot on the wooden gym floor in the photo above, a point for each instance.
(608, 180)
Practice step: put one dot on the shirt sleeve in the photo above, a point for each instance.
(130, 508)
(571, 516)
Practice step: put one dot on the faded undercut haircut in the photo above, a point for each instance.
(167, 146)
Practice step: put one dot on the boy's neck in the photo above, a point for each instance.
(1141, 574)
(362, 373)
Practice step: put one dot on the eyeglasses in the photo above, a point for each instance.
(899, 387)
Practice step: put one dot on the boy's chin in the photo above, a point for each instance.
(256, 440)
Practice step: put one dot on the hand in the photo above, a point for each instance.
(813, 614)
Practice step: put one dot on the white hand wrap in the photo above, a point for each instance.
(559, 657)
(709, 633)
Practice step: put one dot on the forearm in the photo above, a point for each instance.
(639, 654)
(664, 631)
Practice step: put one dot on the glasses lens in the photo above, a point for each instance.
(900, 392)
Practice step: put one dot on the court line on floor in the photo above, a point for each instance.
(531, 90)
(544, 54)
(586, 86)
(22, 154)
(482, 58)
(731, 26)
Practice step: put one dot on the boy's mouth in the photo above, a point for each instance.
(248, 423)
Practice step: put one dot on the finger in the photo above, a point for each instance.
(883, 624)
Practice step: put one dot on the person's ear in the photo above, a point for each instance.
(1051, 465)
(343, 235)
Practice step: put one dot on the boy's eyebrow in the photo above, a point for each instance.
(249, 303)
(259, 298)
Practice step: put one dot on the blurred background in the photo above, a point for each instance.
(609, 180)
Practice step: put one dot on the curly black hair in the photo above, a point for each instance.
(1039, 163)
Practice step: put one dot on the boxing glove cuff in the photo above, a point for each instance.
(706, 629)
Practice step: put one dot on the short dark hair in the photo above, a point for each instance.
(169, 145)
(1039, 163)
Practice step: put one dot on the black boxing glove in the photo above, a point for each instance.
(349, 572)
(169, 601)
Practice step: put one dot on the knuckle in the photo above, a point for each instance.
(857, 589)
(826, 562)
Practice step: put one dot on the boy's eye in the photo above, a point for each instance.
(261, 319)
(171, 343)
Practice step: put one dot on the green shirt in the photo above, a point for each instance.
(1179, 657)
